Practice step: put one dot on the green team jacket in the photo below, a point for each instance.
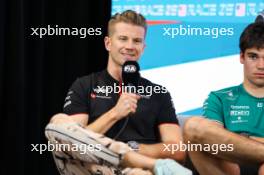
(237, 110)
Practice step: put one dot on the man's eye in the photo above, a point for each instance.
(122, 39)
(253, 57)
(138, 41)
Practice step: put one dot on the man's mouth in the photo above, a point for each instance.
(128, 56)
(261, 75)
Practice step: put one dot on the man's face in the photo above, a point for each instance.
(253, 60)
(126, 43)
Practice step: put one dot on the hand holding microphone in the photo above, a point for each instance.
(127, 102)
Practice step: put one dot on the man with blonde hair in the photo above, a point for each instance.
(142, 123)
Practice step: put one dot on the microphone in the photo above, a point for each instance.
(130, 78)
(260, 17)
(130, 75)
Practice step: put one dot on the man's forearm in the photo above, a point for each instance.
(103, 123)
(242, 147)
(259, 139)
(125, 105)
(160, 150)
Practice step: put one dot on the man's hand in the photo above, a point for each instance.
(126, 104)
(61, 119)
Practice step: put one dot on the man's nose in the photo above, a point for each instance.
(260, 64)
(130, 44)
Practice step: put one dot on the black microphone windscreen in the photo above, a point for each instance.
(130, 73)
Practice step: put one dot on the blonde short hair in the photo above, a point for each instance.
(129, 17)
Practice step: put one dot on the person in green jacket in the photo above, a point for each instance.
(233, 117)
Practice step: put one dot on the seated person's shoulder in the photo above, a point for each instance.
(227, 93)
(88, 80)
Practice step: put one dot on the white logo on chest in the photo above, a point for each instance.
(259, 105)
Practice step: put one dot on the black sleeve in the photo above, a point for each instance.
(167, 111)
(77, 99)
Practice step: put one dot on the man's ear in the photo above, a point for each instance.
(107, 42)
(144, 46)
(242, 57)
